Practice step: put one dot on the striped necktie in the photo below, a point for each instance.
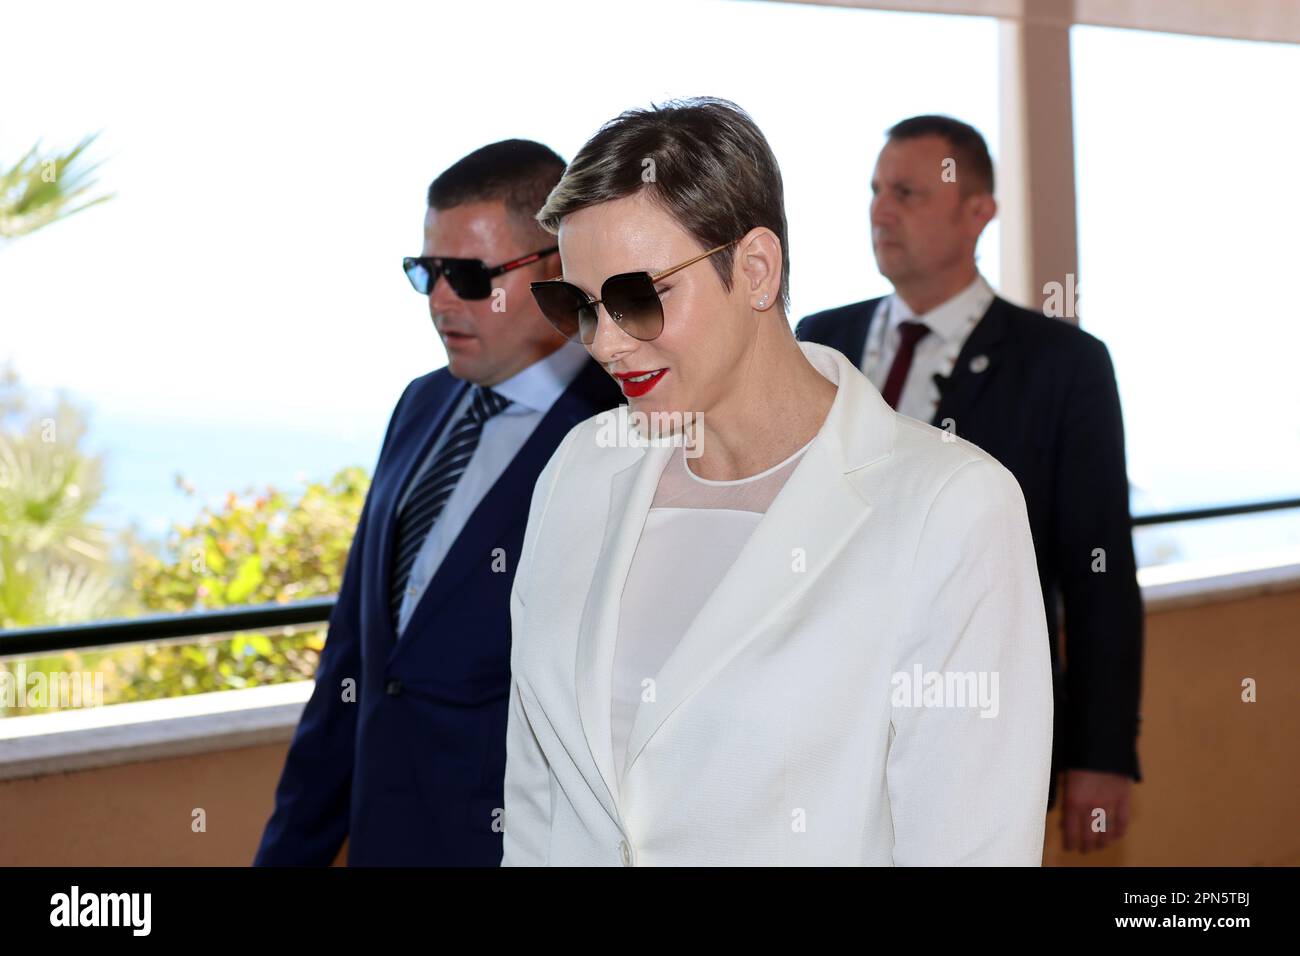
(435, 486)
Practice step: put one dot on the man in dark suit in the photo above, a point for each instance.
(401, 748)
(1038, 394)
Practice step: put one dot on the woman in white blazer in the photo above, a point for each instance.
(794, 627)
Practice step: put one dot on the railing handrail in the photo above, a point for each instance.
(161, 627)
(1219, 511)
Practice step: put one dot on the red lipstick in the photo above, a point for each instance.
(636, 389)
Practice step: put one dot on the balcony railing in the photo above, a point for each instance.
(163, 627)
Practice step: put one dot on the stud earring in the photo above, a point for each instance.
(762, 303)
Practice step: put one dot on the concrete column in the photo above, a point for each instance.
(1036, 194)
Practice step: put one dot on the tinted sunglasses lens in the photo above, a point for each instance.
(562, 304)
(634, 304)
(468, 278)
(419, 275)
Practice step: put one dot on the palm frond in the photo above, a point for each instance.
(41, 189)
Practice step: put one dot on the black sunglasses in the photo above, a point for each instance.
(630, 298)
(468, 278)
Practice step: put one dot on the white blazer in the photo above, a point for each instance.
(785, 730)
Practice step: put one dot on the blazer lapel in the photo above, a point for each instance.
(631, 492)
(760, 584)
(978, 361)
(815, 514)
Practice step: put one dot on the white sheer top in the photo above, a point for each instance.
(693, 533)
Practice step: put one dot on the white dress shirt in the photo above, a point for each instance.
(531, 393)
(936, 353)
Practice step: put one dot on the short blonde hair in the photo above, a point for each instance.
(702, 159)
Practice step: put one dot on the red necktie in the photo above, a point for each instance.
(909, 334)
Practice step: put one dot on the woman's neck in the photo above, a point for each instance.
(777, 406)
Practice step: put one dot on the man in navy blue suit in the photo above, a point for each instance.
(1037, 394)
(401, 748)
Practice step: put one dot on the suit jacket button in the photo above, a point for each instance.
(625, 853)
(394, 688)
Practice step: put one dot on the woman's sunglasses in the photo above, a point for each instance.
(630, 299)
(468, 278)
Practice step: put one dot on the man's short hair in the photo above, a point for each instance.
(703, 160)
(974, 165)
(517, 172)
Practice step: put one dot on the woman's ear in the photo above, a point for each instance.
(760, 260)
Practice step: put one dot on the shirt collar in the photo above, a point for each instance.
(540, 384)
(950, 320)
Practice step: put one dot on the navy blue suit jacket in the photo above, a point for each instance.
(412, 770)
(1045, 404)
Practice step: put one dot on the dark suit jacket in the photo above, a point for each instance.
(412, 772)
(1046, 406)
